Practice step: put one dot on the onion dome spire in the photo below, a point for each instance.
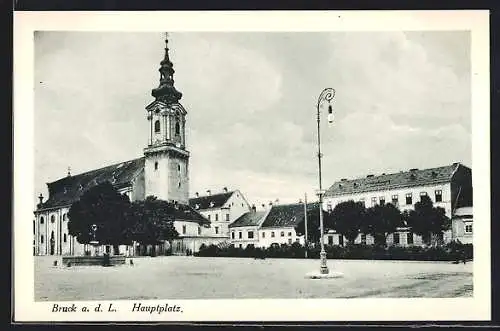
(166, 91)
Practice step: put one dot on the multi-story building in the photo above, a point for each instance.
(449, 187)
(221, 209)
(163, 171)
(245, 229)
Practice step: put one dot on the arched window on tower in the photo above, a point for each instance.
(177, 129)
(42, 220)
(52, 219)
(157, 126)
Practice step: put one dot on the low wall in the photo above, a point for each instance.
(92, 260)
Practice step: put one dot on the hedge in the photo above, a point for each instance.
(450, 252)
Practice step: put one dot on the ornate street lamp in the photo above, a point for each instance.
(325, 96)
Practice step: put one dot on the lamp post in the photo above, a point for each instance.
(326, 95)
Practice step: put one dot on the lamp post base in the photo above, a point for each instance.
(323, 269)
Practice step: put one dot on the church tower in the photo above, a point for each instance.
(166, 169)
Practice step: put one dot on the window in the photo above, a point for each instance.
(381, 200)
(232, 234)
(227, 217)
(329, 207)
(41, 239)
(177, 129)
(422, 194)
(216, 217)
(216, 230)
(330, 240)
(263, 234)
(179, 185)
(395, 237)
(362, 200)
(374, 201)
(42, 220)
(240, 235)
(395, 199)
(289, 234)
(179, 167)
(409, 238)
(157, 126)
(468, 228)
(272, 234)
(341, 240)
(289, 241)
(156, 165)
(208, 216)
(363, 239)
(250, 234)
(408, 199)
(64, 238)
(33, 227)
(439, 195)
(199, 230)
(183, 229)
(52, 219)
(282, 233)
(241, 246)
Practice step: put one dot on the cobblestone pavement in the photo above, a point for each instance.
(179, 277)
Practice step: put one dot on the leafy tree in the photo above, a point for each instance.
(151, 221)
(313, 231)
(380, 221)
(427, 220)
(103, 206)
(348, 218)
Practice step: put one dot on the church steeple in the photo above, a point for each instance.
(166, 91)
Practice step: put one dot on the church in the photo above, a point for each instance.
(163, 171)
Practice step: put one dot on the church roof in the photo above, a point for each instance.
(210, 201)
(411, 178)
(251, 218)
(289, 215)
(67, 190)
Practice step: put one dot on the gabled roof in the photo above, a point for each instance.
(67, 190)
(181, 212)
(413, 177)
(251, 218)
(289, 215)
(210, 201)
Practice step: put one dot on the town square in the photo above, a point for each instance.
(261, 165)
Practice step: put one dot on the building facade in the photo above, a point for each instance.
(221, 209)
(245, 230)
(163, 171)
(448, 187)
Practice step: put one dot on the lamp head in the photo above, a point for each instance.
(330, 114)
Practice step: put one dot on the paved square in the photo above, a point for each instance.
(179, 277)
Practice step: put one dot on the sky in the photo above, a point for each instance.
(403, 100)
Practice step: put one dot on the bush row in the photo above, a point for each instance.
(449, 252)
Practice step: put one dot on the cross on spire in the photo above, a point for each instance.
(166, 91)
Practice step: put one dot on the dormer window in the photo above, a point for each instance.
(211, 204)
(197, 206)
(157, 126)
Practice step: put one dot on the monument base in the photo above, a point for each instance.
(92, 260)
(319, 275)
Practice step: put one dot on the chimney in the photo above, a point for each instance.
(225, 189)
(208, 192)
(263, 206)
(197, 194)
(254, 209)
(40, 197)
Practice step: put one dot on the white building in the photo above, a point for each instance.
(449, 187)
(163, 171)
(221, 209)
(245, 230)
(462, 225)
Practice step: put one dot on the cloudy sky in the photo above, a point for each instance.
(402, 101)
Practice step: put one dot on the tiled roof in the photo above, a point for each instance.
(463, 211)
(413, 177)
(182, 212)
(287, 215)
(250, 218)
(210, 201)
(69, 189)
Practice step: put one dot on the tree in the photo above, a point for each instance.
(348, 218)
(380, 221)
(151, 221)
(428, 221)
(313, 231)
(103, 206)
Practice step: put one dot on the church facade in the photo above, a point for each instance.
(163, 171)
